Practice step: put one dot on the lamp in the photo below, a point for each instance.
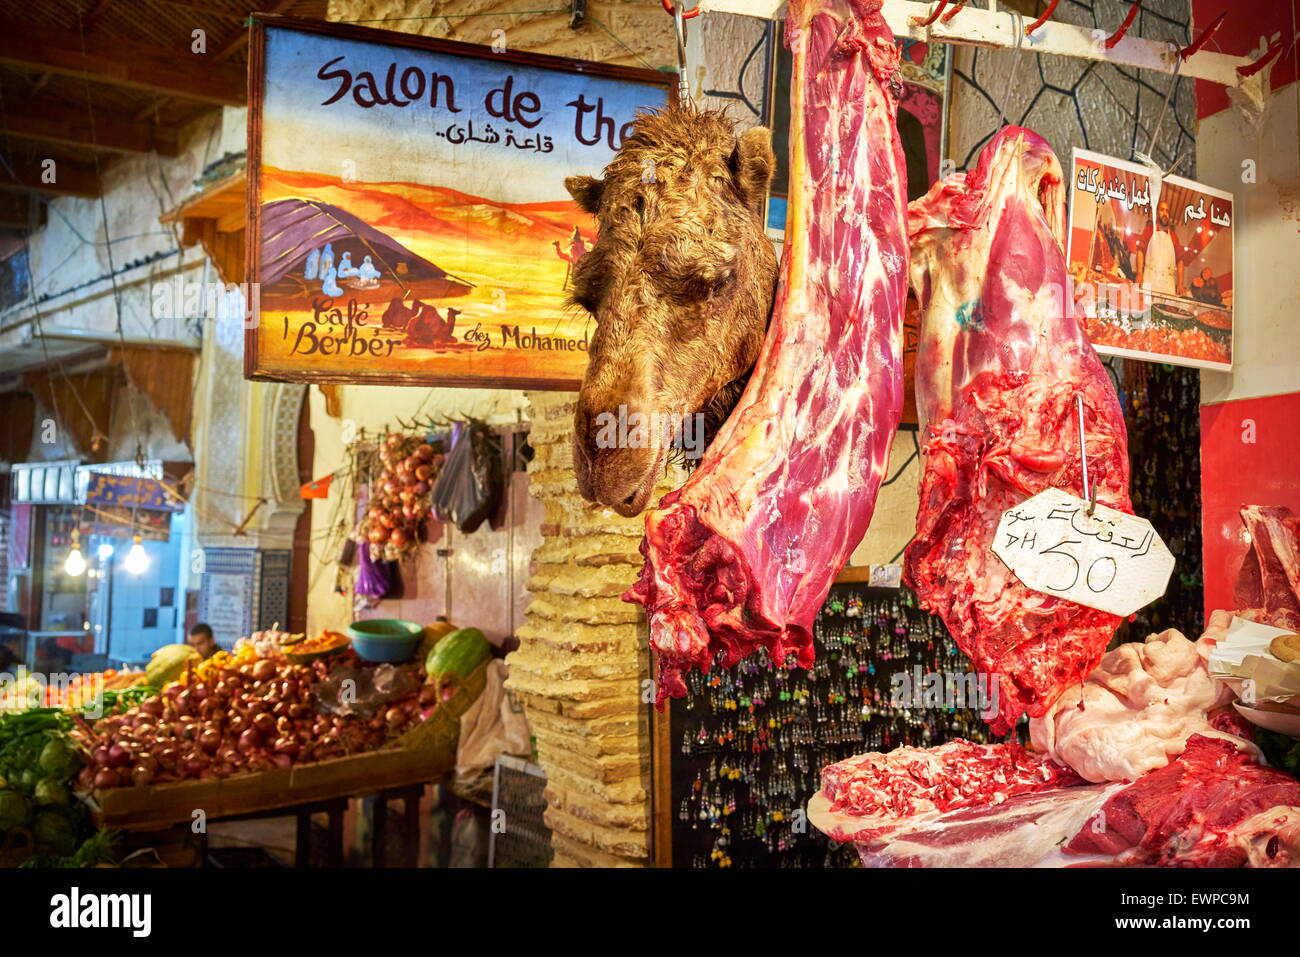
(136, 559)
(76, 562)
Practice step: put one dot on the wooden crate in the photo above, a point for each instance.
(421, 755)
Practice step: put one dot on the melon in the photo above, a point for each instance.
(432, 635)
(168, 663)
(456, 655)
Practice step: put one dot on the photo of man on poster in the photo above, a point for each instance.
(1161, 270)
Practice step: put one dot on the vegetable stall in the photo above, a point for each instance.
(279, 722)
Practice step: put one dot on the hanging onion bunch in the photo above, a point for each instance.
(399, 496)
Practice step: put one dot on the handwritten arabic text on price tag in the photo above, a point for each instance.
(1110, 560)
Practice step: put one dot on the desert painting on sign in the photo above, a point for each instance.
(411, 224)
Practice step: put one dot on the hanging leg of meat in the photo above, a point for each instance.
(1270, 573)
(1001, 360)
(743, 555)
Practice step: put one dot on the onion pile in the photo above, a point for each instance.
(399, 496)
(253, 717)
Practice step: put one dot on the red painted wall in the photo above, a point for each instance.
(1241, 34)
(1236, 471)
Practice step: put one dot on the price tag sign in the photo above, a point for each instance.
(1108, 560)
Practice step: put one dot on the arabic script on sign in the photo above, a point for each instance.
(1108, 560)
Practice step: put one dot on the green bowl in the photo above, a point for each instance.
(386, 639)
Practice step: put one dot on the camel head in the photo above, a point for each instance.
(679, 283)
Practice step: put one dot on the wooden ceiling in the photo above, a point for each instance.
(83, 82)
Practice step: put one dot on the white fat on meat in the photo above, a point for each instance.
(1136, 710)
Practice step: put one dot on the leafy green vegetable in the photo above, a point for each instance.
(14, 809)
(58, 759)
(51, 791)
(96, 849)
(57, 828)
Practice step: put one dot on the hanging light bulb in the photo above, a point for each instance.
(105, 551)
(136, 559)
(76, 563)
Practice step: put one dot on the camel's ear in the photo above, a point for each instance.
(586, 191)
(753, 163)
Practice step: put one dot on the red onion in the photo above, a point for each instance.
(249, 740)
(153, 707)
(118, 756)
(141, 776)
(193, 762)
(282, 760)
(264, 724)
(209, 740)
(107, 779)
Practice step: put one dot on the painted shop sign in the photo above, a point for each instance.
(410, 223)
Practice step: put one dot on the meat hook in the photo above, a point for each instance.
(961, 5)
(1204, 38)
(1017, 25)
(923, 22)
(683, 80)
(1118, 35)
(673, 9)
(1250, 69)
(1043, 19)
(1089, 491)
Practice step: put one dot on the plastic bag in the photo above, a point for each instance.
(494, 724)
(469, 487)
(374, 579)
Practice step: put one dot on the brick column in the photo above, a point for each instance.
(582, 659)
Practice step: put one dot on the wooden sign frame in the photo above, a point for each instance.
(254, 366)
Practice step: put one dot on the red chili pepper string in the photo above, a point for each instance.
(1118, 35)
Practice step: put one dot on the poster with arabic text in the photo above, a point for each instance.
(1151, 262)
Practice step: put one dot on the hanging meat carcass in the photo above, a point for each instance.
(743, 555)
(1001, 361)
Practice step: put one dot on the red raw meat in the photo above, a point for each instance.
(1270, 574)
(879, 791)
(1211, 807)
(1000, 361)
(742, 556)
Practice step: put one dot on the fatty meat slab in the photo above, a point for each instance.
(743, 555)
(1212, 806)
(1001, 359)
